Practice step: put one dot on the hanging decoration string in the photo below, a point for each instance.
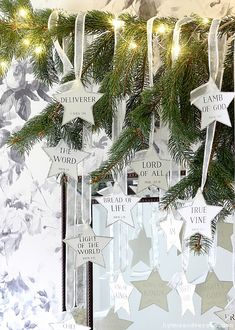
(153, 66)
(215, 66)
(52, 22)
(174, 56)
(120, 230)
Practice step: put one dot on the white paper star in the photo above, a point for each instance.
(88, 246)
(121, 293)
(77, 103)
(172, 229)
(228, 315)
(141, 247)
(198, 216)
(64, 159)
(119, 206)
(68, 324)
(151, 170)
(186, 291)
(213, 104)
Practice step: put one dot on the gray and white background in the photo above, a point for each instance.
(30, 226)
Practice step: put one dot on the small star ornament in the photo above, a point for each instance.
(141, 247)
(77, 103)
(64, 159)
(213, 104)
(228, 315)
(68, 324)
(88, 246)
(213, 292)
(153, 291)
(172, 228)
(118, 206)
(121, 292)
(152, 170)
(112, 321)
(198, 216)
(186, 291)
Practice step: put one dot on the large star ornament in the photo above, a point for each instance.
(77, 103)
(121, 293)
(88, 246)
(112, 321)
(153, 291)
(172, 228)
(141, 247)
(228, 315)
(64, 159)
(213, 104)
(68, 324)
(119, 206)
(198, 216)
(213, 292)
(186, 291)
(151, 170)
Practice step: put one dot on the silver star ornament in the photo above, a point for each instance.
(121, 292)
(153, 291)
(199, 216)
(88, 246)
(214, 105)
(213, 292)
(118, 206)
(141, 247)
(64, 159)
(112, 321)
(172, 228)
(152, 170)
(77, 103)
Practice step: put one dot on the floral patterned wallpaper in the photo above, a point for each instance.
(30, 226)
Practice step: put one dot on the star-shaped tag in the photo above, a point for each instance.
(153, 291)
(213, 292)
(228, 315)
(68, 324)
(186, 291)
(172, 229)
(151, 170)
(213, 104)
(112, 321)
(64, 159)
(198, 216)
(141, 247)
(119, 206)
(77, 103)
(121, 293)
(88, 246)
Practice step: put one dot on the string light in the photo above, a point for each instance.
(117, 23)
(205, 20)
(23, 12)
(176, 51)
(132, 45)
(26, 42)
(3, 65)
(38, 50)
(161, 29)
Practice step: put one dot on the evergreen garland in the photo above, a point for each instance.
(124, 75)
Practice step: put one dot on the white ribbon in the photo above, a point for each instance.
(176, 37)
(216, 57)
(174, 57)
(79, 40)
(67, 65)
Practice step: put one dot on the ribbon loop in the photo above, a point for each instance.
(67, 65)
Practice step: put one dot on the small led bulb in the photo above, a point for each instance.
(38, 50)
(132, 45)
(26, 42)
(118, 24)
(23, 12)
(161, 29)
